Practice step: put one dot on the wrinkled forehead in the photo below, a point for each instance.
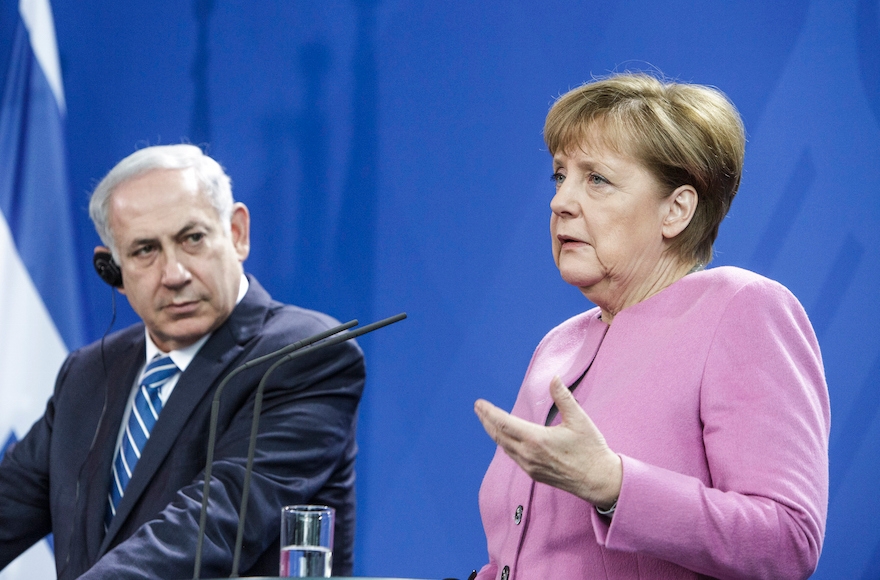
(178, 188)
(159, 199)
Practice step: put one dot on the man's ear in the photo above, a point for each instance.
(107, 268)
(681, 206)
(240, 229)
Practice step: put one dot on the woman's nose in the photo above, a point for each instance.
(563, 202)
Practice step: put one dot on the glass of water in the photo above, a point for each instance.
(306, 541)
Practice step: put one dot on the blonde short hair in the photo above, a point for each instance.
(684, 134)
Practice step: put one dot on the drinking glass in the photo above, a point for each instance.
(306, 541)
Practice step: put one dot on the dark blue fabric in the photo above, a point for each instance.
(10, 441)
(306, 451)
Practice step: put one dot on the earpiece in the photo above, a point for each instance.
(107, 269)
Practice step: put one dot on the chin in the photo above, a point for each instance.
(186, 333)
(579, 277)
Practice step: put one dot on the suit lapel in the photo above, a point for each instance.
(214, 359)
(573, 372)
(120, 378)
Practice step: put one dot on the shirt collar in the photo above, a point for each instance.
(243, 286)
(182, 357)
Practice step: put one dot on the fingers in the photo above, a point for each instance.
(572, 456)
(490, 416)
(561, 395)
(483, 409)
(570, 410)
(502, 427)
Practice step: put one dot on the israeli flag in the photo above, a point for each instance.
(40, 306)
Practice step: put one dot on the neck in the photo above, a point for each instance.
(621, 295)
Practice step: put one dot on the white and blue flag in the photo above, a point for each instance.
(40, 305)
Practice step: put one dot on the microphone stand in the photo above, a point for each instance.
(215, 412)
(289, 353)
(258, 401)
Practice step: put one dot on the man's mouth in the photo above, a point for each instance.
(181, 308)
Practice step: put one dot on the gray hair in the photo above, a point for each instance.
(213, 182)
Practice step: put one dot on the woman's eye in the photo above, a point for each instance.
(557, 178)
(596, 179)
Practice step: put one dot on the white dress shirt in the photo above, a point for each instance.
(181, 359)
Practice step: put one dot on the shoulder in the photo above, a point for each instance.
(751, 306)
(730, 280)
(276, 324)
(738, 289)
(722, 291)
(296, 320)
(110, 346)
(259, 314)
(715, 307)
(87, 367)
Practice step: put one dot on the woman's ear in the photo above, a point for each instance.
(681, 206)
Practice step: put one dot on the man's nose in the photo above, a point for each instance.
(175, 273)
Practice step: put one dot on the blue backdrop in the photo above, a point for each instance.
(391, 155)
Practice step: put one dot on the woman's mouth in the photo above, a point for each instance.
(569, 241)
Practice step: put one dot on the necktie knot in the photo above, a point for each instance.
(158, 372)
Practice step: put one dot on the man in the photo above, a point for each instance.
(114, 468)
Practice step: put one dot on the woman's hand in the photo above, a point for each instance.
(571, 456)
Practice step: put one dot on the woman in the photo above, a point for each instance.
(692, 436)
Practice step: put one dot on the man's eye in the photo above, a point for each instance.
(197, 237)
(557, 178)
(143, 251)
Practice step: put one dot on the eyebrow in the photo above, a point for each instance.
(192, 225)
(588, 164)
(180, 233)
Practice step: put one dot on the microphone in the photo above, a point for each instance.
(258, 402)
(215, 412)
(288, 353)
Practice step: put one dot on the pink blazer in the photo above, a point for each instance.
(713, 394)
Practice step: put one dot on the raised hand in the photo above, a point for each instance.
(572, 456)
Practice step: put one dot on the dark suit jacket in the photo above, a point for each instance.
(57, 477)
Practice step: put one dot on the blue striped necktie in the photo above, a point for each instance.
(144, 414)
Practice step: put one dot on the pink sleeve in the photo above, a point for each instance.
(765, 414)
